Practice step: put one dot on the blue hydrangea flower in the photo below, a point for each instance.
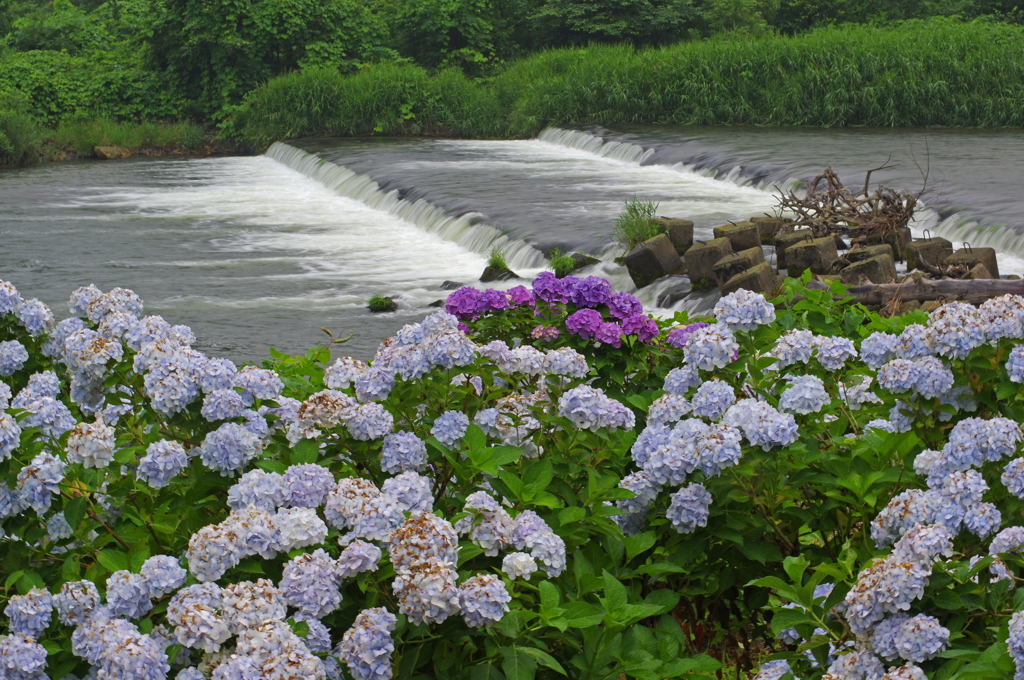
(39, 481)
(374, 384)
(343, 373)
(217, 374)
(712, 400)
(897, 376)
(229, 448)
(1003, 317)
(450, 427)
(163, 575)
(669, 464)
(21, 656)
(357, 557)
(565, 361)
(10, 435)
(259, 383)
(75, 601)
(680, 380)
(933, 377)
(590, 409)
(128, 595)
(35, 316)
(264, 490)
(222, 405)
(1013, 477)
(762, 425)
(914, 342)
(1015, 642)
(449, 349)
(366, 647)
(719, 448)
(483, 600)
(57, 527)
(403, 451)
(518, 565)
(667, 409)
(773, 670)
(982, 519)
(307, 486)
(13, 356)
(163, 460)
(806, 394)
(689, 508)
(794, 346)
(650, 438)
(743, 310)
(877, 349)
(409, 491)
(170, 384)
(30, 614)
(9, 298)
(367, 422)
(711, 347)
(956, 328)
(634, 510)
(834, 352)
(920, 638)
(1015, 364)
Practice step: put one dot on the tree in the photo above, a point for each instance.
(637, 21)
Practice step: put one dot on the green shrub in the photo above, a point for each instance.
(82, 133)
(562, 265)
(636, 224)
(496, 259)
(19, 137)
(379, 303)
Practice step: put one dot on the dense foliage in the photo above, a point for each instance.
(556, 485)
(929, 73)
(127, 61)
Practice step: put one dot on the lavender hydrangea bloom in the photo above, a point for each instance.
(549, 288)
(920, 638)
(712, 400)
(933, 377)
(450, 427)
(409, 491)
(897, 376)
(464, 303)
(689, 508)
(13, 356)
(450, 349)
(163, 460)
(30, 614)
(1015, 364)
(75, 601)
(711, 347)
(310, 584)
(10, 435)
(374, 384)
(128, 595)
(956, 329)
(834, 352)
(1013, 477)
(39, 481)
(518, 565)
(9, 298)
(483, 600)
(35, 316)
(223, 404)
(403, 451)
(366, 647)
(743, 310)
(307, 485)
(643, 327)
(21, 657)
(678, 337)
(229, 448)
(624, 306)
(680, 380)
(264, 490)
(584, 323)
(794, 346)
(357, 557)
(163, 575)
(806, 394)
(590, 291)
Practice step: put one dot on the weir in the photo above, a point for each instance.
(467, 230)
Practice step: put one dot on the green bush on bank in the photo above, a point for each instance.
(926, 73)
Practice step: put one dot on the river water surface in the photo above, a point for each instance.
(263, 251)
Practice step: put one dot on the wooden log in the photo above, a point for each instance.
(921, 289)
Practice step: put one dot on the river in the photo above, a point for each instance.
(263, 251)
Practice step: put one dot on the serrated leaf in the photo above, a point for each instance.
(74, 511)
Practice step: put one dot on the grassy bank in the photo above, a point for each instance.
(23, 141)
(934, 73)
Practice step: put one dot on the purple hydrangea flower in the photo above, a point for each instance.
(624, 306)
(644, 327)
(678, 337)
(584, 323)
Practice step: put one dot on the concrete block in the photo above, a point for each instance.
(702, 257)
(899, 239)
(931, 250)
(652, 260)
(879, 269)
(784, 241)
(867, 252)
(767, 228)
(731, 265)
(816, 255)
(742, 235)
(979, 271)
(973, 256)
(759, 279)
(680, 232)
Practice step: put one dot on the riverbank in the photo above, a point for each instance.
(917, 74)
(24, 142)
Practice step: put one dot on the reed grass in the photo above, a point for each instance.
(635, 224)
(920, 73)
(81, 135)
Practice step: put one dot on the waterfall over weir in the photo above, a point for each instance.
(466, 230)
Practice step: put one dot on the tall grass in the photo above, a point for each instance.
(82, 134)
(19, 138)
(923, 73)
(635, 224)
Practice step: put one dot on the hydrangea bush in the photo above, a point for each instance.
(540, 482)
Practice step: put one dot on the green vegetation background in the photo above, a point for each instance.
(173, 74)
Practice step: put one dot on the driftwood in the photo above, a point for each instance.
(831, 208)
(921, 289)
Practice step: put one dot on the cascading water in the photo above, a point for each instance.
(468, 230)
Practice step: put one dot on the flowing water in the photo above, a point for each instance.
(257, 252)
